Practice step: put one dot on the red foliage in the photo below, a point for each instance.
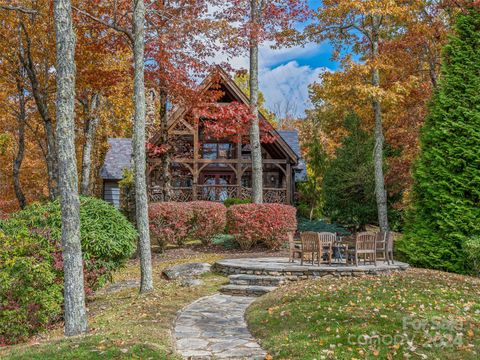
(175, 222)
(156, 150)
(229, 121)
(261, 223)
(209, 219)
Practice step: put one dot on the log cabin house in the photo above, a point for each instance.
(208, 169)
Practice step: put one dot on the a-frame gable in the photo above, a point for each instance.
(234, 90)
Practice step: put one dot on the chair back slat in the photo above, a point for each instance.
(381, 240)
(366, 241)
(309, 240)
(291, 241)
(389, 240)
(327, 238)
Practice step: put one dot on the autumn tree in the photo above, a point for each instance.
(363, 25)
(260, 21)
(132, 29)
(74, 294)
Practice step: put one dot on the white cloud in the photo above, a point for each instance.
(282, 79)
(287, 86)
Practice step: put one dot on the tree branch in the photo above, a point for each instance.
(113, 26)
(19, 9)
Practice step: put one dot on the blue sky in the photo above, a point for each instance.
(285, 74)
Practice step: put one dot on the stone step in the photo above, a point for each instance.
(258, 280)
(246, 290)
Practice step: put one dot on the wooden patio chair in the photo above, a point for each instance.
(309, 245)
(364, 247)
(384, 246)
(326, 241)
(293, 250)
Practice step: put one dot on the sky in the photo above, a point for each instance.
(285, 74)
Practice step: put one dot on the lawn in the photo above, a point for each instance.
(124, 324)
(416, 314)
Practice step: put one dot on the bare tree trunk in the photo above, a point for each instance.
(41, 101)
(139, 156)
(256, 148)
(380, 192)
(74, 294)
(90, 129)
(22, 122)
(165, 168)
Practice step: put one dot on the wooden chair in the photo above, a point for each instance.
(384, 246)
(292, 249)
(381, 246)
(309, 245)
(365, 246)
(326, 241)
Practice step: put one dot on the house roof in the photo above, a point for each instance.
(118, 158)
(291, 138)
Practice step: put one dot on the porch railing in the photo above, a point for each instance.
(219, 193)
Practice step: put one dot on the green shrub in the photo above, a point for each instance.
(108, 238)
(30, 287)
(472, 252)
(226, 240)
(236, 201)
(305, 224)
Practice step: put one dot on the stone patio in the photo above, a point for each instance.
(280, 266)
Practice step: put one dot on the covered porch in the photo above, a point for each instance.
(221, 179)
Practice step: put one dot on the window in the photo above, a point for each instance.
(214, 151)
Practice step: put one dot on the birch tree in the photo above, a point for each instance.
(255, 22)
(74, 294)
(139, 141)
(256, 147)
(133, 29)
(90, 106)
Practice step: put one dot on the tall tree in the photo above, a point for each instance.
(362, 26)
(74, 294)
(133, 29)
(349, 183)
(90, 106)
(37, 61)
(446, 192)
(139, 156)
(256, 147)
(255, 22)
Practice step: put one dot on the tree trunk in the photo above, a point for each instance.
(139, 156)
(380, 192)
(90, 129)
(256, 148)
(74, 295)
(41, 101)
(17, 163)
(165, 168)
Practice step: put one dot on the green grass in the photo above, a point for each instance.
(417, 314)
(124, 324)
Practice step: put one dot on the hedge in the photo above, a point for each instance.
(266, 224)
(175, 222)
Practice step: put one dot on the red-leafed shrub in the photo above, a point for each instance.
(170, 222)
(267, 224)
(209, 219)
(175, 222)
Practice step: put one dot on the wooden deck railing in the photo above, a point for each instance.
(219, 193)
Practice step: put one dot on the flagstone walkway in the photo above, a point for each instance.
(214, 327)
